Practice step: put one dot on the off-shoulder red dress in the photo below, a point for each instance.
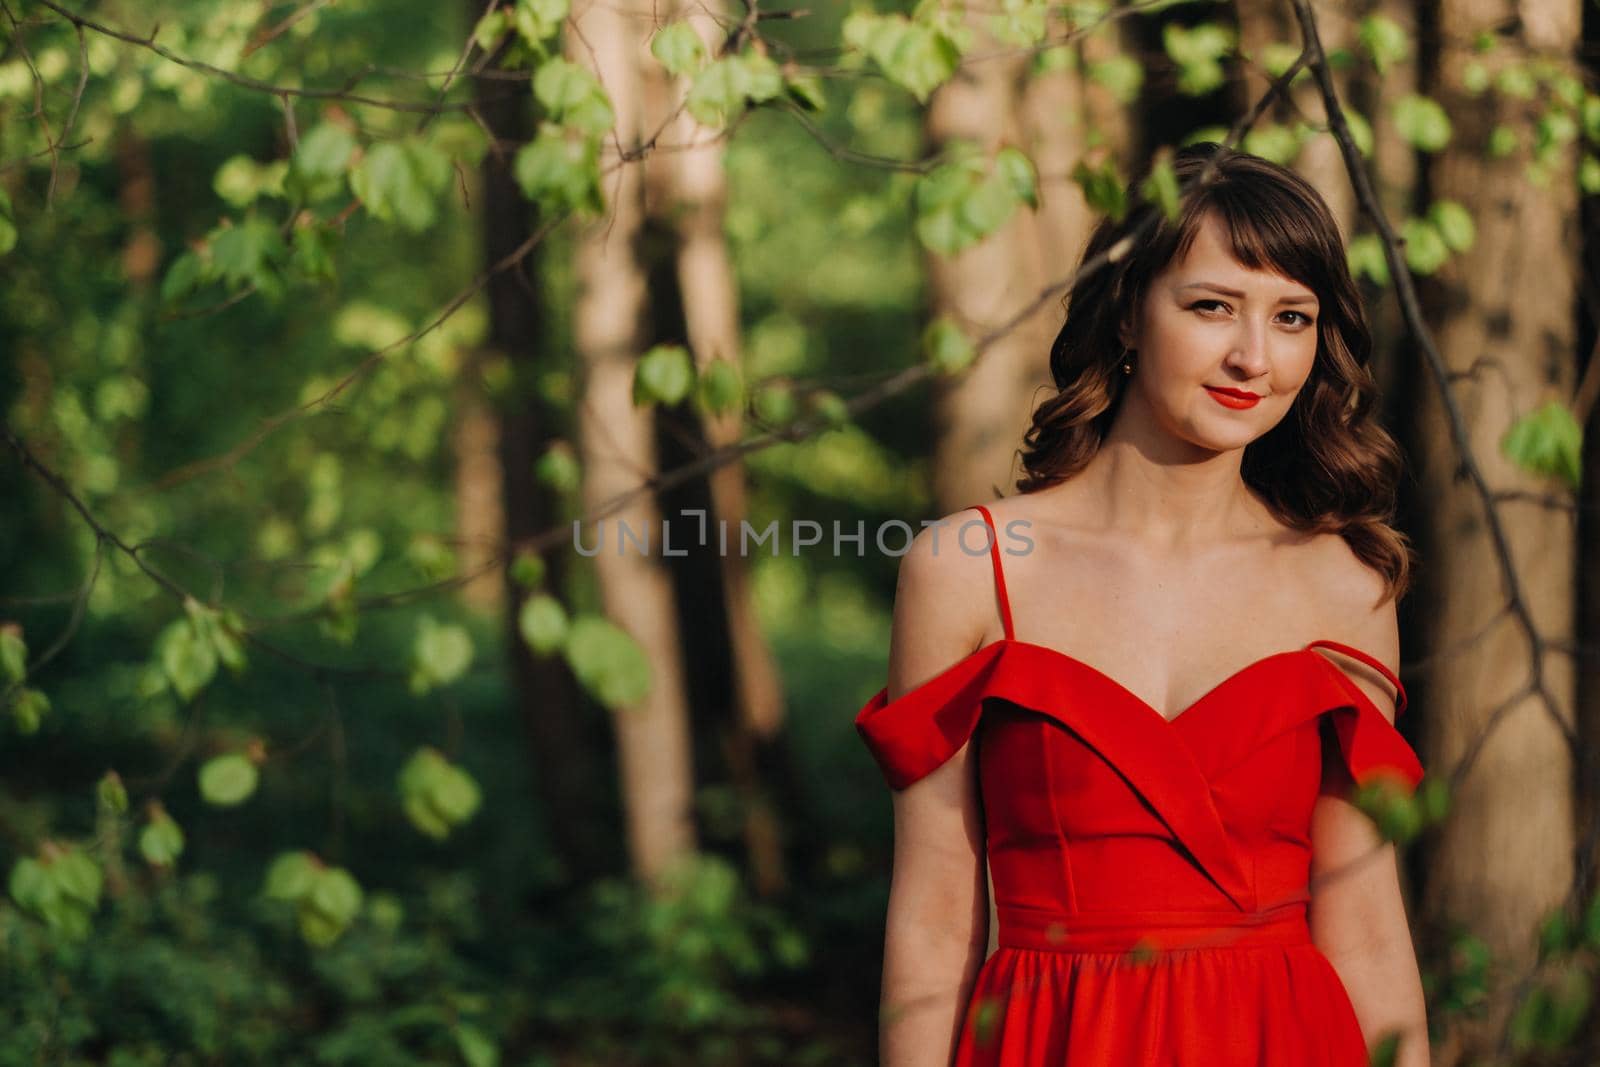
(1150, 875)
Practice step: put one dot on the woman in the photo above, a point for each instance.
(1180, 876)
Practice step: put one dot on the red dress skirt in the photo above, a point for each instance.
(1150, 875)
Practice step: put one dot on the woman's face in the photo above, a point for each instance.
(1208, 325)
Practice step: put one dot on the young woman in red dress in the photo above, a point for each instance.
(1140, 713)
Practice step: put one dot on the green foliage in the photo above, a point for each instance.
(679, 48)
(436, 795)
(1385, 40)
(161, 840)
(228, 780)
(1421, 121)
(1104, 188)
(60, 886)
(1122, 76)
(572, 97)
(560, 169)
(326, 899)
(1547, 441)
(440, 655)
(607, 661)
(967, 198)
(543, 624)
(663, 375)
(917, 54)
(1199, 52)
(729, 83)
(946, 346)
(400, 181)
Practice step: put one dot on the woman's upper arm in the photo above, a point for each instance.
(938, 823)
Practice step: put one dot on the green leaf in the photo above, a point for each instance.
(679, 48)
(573, 97)
(946, 347)
(28, 708)
(1502, 142)
(245, 254)
(558, 468)
(325, 152)
(1121, 75)
(228, 780)
(1103, 188)
(78, 876)
(917, 57)
(1385, 40)
(1516, 81)
(1021, 22)
(1425, 249)
(774, 404)
(13, 654)
(663, 375)
(400, 182)
(291, 875)
(607, 662)
(436, 795)
(186, 274)
(8, 235)
(1547, 441)
(806, 91)
(1360, 130)
(441, 653)
(1454, 223)
(335, 894)
(312, 257)
(188, 660)
(536, 20)
(720, 388)
(527, 570)
(1422, 122)
(542, 622)
(161, 840)
(33, 887)
(1198, 52)
(238, 181)
(1589, 175)
(111, 794)
(1274, 141)
(1015, 171)
(561, 171)
(1161, 186)
(487, 33)
(476, 1047)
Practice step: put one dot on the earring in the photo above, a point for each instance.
(1127, 362)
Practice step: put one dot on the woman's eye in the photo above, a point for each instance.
(1305, 319)
(1207, 304)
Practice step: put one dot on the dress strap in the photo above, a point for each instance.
(999, 573)
(1371, 661)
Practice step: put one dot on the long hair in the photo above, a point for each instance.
(1328, 465)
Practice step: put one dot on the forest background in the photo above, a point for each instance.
(322, 321)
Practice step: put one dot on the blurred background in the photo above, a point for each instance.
(322, 322)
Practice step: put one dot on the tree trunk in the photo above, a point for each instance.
(982, 414)
(694, 196)
(1504, 324)
(567, 744)
(618, 451)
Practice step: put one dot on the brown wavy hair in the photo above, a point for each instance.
(1328, 466)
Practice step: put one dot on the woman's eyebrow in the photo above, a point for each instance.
(1305, 298)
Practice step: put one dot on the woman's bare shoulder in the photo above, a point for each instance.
(1351, 598)
(940, 595)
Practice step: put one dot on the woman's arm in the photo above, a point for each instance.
(1357, 913)
(936, 931)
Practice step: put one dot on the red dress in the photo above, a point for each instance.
(1150, 875)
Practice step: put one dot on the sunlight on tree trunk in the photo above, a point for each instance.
(618, 454)
(1506, 329)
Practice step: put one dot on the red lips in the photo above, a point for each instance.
(1234, 398)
